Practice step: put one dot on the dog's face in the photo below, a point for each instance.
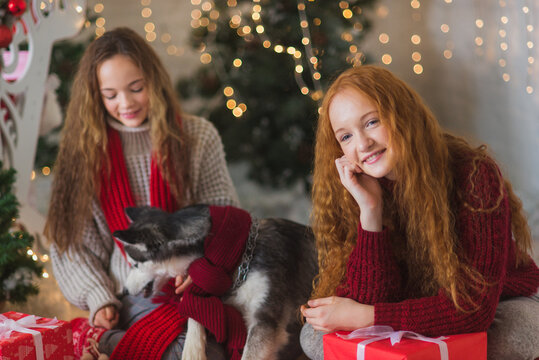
(158, 243)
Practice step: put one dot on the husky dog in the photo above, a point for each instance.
(273, 279)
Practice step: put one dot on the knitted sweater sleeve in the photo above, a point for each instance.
(81, 271)
(484, 230)
(210, 179)
(372, 274)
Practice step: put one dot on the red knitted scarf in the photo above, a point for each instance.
(149, 337)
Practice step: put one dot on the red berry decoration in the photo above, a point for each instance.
(16, 7)
(5, 36)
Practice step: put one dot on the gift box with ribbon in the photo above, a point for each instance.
(29, 337)
(381, 342)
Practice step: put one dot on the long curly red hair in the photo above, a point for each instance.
(423, 192)
(83, 146)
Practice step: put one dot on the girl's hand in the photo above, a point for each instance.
(181, 285)
(366, 190)
(107, 317)
(337, 313)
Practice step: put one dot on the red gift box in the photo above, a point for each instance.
(471, 346)
(15, 344)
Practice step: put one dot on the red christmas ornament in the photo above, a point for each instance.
(5, 36)
(16, 7)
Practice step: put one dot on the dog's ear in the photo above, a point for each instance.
(133, 213)
(126, 236)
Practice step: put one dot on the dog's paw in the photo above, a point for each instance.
(194, 347)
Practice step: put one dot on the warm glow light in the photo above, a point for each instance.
(171, 49)
(416, 39)
(504, 19)
(444, 28)
(317, 76)
(231, 104)
(30, 252)
(243, 107)
(146, 12)
(313, 60)
(196, 14)
(206, 6)
(382, 11)
(525, 9)
(506, 77)
(502, 62)
(100, 22)
(33, 176)
(237, 112)
(479, 23)
(299, 69)
(291, 50)
(304, 90)
(415, 4)
(297, 54)
(34, 257)
(416, 56)
(205, 58)
(504, 46)
(237, 62)
(529, 44)
(305, 41)
(99, 8)
(529, 28)
(502, 33)
(347, 13)
(529, 89)
(353, 49)
(479, 41)
(165, 38)
(317, 21)
(149, 27)
(99, 31)
(45, 275)
(304, 23)
(228, 91)
(387, 59)
(418, 69)
(151, 36)
(255, 16)
(46, 171)
(448, 54)
(260, 29)
(266, 43)
(531, 59)
(383, 38)
(278, 49)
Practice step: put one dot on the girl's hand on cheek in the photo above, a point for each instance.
(365, 189)
(337, 313)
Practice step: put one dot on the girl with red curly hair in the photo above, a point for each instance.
(415, 228)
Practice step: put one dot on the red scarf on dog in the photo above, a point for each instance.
(149, 337)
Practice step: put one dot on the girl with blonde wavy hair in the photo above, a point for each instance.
(125, 143)
(415, 228)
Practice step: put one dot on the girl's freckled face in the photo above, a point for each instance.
(364, 140)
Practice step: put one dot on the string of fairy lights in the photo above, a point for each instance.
(504, 25)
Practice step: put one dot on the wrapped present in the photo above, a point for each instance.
(381, 342)
(29, 337)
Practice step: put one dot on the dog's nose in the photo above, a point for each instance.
(125, 292)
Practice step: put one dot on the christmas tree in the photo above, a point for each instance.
(17, 265)
(264, 67)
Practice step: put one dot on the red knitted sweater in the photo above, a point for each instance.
(374, 277)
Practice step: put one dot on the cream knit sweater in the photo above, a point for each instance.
(92, 274)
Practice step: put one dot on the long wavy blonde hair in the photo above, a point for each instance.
(83, 146)
(423, 193)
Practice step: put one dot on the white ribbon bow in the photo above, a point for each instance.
(381, 332)
(24, 325)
